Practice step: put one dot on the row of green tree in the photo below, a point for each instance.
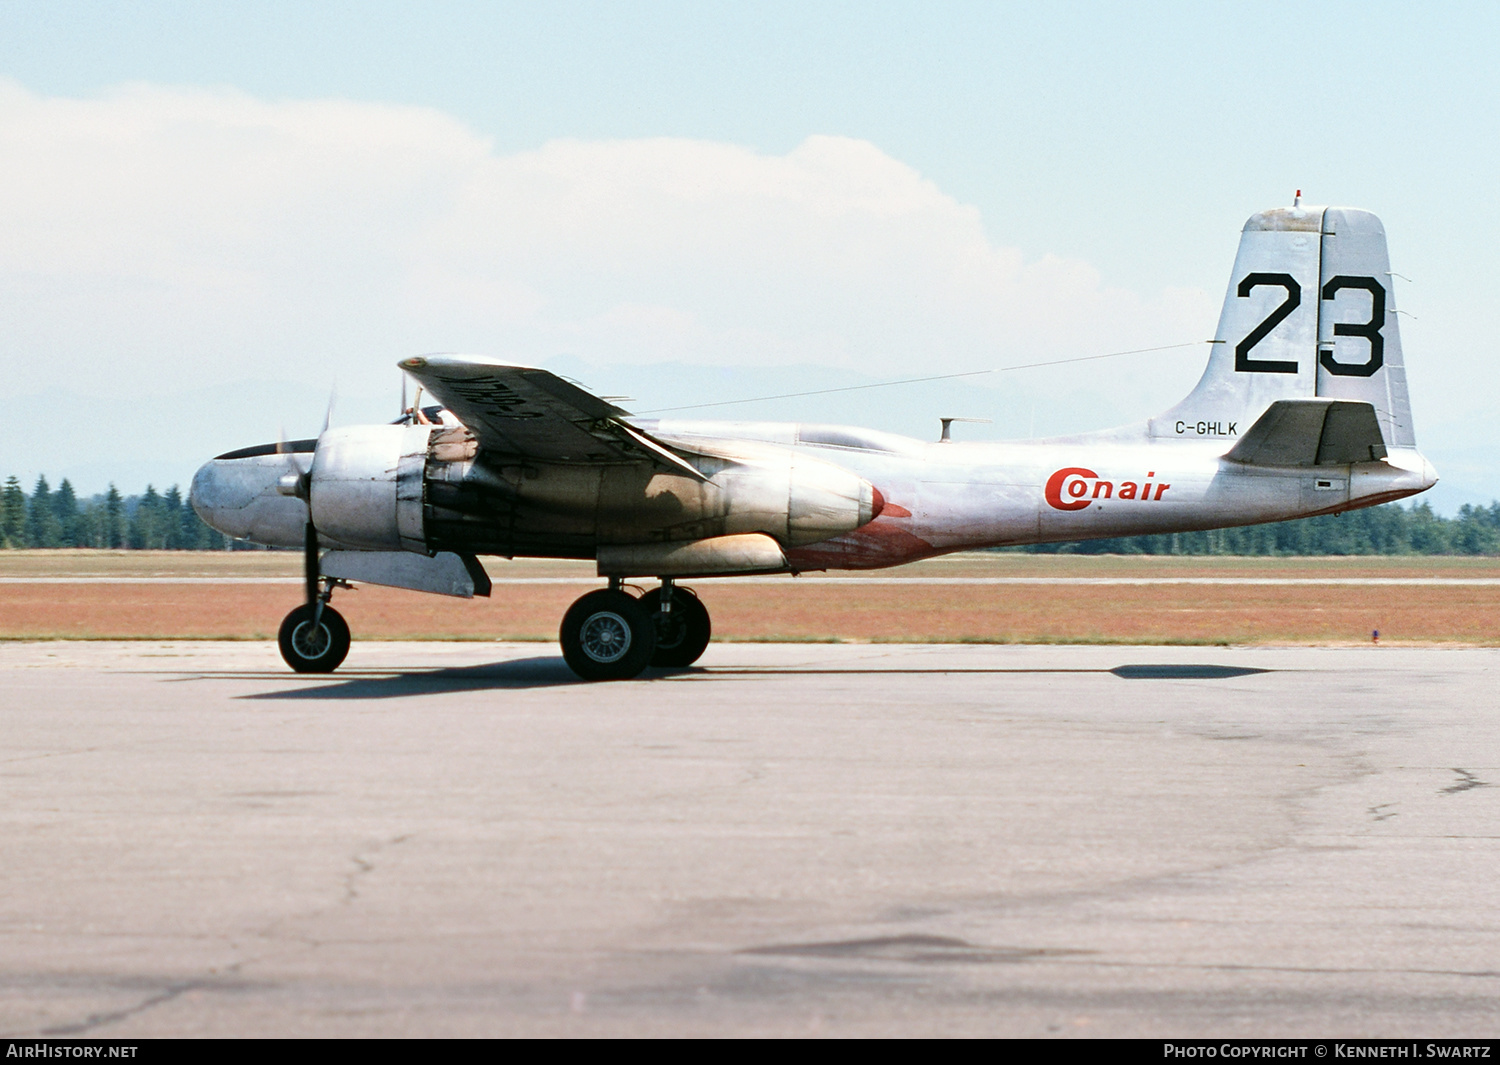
(57, 517)
(1388, 530)
(49, 517)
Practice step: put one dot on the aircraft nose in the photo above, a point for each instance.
(222, 490)
(243, 495)
(205, 493)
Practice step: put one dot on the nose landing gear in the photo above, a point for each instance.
(314, 638)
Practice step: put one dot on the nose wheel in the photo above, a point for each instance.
(314, 640)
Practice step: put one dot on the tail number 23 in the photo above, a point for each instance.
(1370, 330)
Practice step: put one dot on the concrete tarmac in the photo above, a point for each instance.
(459, 839)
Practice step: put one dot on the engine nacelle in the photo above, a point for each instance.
(495, 506)
(366, 486)
(796, 499)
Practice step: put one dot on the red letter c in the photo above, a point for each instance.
(1054, 488)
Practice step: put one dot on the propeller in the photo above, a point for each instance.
(333, 395)
(297, 481)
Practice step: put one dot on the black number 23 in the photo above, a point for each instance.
(1370, 330)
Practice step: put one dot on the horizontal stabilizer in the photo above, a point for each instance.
(1312, 432)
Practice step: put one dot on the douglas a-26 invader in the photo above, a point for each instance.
(1303, 410)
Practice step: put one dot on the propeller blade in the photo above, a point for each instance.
(328, 414)
(283, 447)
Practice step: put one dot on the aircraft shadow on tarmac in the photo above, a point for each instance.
(1193, 671)
(551, 672)
(540, 672)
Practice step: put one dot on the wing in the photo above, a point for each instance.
(530, 412)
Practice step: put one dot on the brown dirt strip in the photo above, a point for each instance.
(921, 613)
(146, 564)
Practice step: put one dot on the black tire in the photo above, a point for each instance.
(607, 635)
(682, 634)
(314, 650)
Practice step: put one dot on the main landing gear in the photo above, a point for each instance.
(607, 635)
(612, 635)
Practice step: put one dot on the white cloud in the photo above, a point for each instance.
(205, 236)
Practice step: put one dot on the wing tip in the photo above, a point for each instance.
(445, 360)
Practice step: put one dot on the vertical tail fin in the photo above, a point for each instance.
(1309, 312)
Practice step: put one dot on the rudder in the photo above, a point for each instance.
(1359, 338)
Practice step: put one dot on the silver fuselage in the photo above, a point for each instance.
(933, 498)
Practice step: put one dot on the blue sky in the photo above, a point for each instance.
(1126, 140)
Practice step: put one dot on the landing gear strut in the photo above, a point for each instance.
(314, 638)
(612, 635)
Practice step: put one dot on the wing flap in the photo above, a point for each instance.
(659, 451)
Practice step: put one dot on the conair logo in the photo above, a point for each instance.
(1074, 488)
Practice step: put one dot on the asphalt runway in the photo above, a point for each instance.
(458, 839)
(855, 578)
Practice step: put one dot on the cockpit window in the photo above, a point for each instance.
(289, 447)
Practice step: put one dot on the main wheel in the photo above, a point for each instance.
(310, 648)
(607, 635)
(682, 634)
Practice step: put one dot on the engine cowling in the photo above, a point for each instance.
(493, 505)
(797, 500)
(365, 487)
